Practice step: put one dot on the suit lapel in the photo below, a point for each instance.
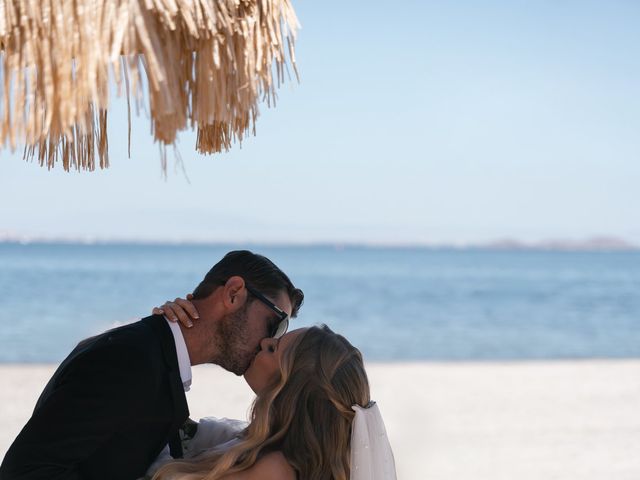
(181, 409)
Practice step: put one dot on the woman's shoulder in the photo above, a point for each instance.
(272, 466)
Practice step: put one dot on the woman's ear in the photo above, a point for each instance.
(234, 294)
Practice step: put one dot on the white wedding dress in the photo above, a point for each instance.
(371, 455)
(212, 434)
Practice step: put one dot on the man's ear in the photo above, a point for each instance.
(234, 294)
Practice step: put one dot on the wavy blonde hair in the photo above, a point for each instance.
(305, 413)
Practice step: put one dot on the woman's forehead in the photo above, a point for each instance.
(289, 337)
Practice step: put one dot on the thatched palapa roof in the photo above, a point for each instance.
(207, 64)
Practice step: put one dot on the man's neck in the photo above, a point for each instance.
(199, 338)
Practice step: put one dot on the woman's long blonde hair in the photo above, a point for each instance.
(306, 414)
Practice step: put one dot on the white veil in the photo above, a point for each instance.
(371, 455)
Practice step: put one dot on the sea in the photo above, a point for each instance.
(394, 304)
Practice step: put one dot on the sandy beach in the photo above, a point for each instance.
(524, 420)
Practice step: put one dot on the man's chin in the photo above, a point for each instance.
(232, 367)
(247, 364)
(237, 365)
(238, 369)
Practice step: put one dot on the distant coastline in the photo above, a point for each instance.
(591, 244)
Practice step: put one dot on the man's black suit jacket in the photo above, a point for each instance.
(107, 412)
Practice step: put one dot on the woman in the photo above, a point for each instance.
(310, 387)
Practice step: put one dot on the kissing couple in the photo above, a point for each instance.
(116, 407)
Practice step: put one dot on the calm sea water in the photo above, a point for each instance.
(394, 304)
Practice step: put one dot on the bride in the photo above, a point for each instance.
(312, 419)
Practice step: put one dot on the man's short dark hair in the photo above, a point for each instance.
(257, 271)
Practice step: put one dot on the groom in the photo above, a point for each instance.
(119, 398)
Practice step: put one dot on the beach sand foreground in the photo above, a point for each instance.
(513, 420)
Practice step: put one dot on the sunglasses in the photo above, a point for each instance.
(278, 329)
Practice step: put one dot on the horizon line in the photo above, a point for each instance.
(595, 244)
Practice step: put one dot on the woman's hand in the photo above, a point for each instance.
(179, 310)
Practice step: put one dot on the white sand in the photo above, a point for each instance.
(539, 420)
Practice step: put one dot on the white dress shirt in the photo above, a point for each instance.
(184, 363)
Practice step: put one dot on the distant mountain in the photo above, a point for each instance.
(600, 243)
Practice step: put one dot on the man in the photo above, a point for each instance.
(119, 398)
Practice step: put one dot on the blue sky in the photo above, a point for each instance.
(414, 122)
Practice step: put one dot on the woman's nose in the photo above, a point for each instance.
(265, 343)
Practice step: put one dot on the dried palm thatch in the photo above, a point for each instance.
(207, 64)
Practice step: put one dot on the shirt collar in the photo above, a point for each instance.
(184, 363)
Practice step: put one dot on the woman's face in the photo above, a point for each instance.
(266, 364)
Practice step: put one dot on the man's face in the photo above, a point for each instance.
(240, 333)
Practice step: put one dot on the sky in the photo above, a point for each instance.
(414, 122)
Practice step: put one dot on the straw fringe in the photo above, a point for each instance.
(207, 64)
